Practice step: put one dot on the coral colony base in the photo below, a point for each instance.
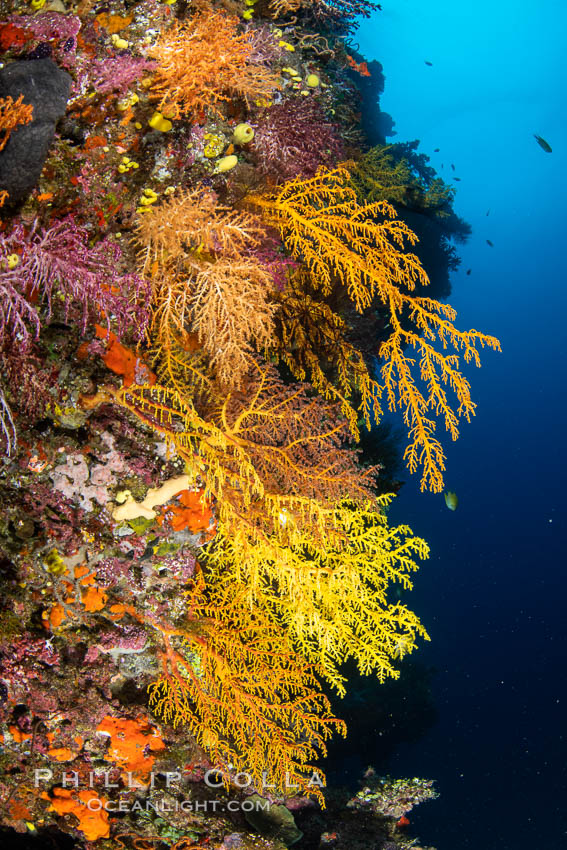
(208, 296)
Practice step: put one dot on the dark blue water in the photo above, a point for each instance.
(494, 593)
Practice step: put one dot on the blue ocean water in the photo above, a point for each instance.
(493, 594)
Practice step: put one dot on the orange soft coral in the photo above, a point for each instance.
(12, 114)
(204, 62)
(243, 691)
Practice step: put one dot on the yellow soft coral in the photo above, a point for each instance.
(233, 678)
(379, 176)
(299, 531)
(329, 592)
(363, 248)
(311, 340)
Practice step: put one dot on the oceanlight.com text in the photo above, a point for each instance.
(161, 807)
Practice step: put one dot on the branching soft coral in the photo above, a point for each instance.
(58, 262)
(207, 281)
(18, 318)
(262, 449)
(13, 113)
(231, 312)
(311, 340)
(299, 529)
(294, 138)
(8, 434)
(183, 366)
(363, 248)
(191, 221)
(361, 245)
(206, 62)
(379, 176)
(232, 677)
(115, 73)
(331, 10)
(329, 593)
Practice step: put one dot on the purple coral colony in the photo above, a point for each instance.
(187, 492)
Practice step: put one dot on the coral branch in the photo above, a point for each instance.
(60, 260)
(242, 691)
(13, 113)
(207, 282)
(362, 246)
(205, 62)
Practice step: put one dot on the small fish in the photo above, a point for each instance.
(458, 179)
(488, 242)
(487, 212)
(451, 500)
(453, 167)
(543, 144)
(469, 271)
(436, 150)
(403, 821)
(429, 63)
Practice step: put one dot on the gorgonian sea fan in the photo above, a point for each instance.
(58, 264)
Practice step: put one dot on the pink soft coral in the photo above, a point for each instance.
(60, 261)
(294, 138)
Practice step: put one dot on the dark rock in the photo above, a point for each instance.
(72, 131)
(272, 821)
(47, 87)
